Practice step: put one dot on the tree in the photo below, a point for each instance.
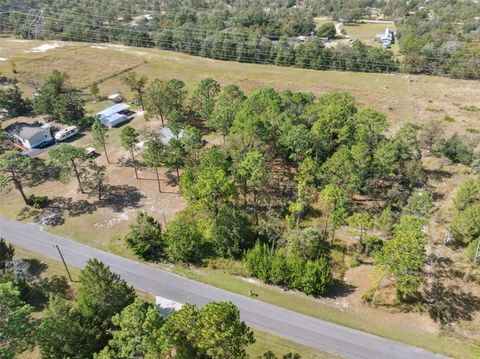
(173, 155)
(221, 332)
(153, 156)
(420, 204)
(203, 97)
(11, 100)
(465, 227)
(230, 233)
(468, 194)
(327, 30)
(68, 108)
(404, 255)
(253, 174)
(459, 150)
(100, 135)
(54, 86)
(335, 203)
(226, 107)
(208, 185)
(137, 328)
(101, 295)
(66, 155)
(93, 177)
(14, 166)
(7, 252)
(61, 333)
(128, 139)
(155, 99)
(185, 242)
(94, 90)
(318, 277)
(16, 324)
(145, 237)
(431, 135)
(136, 85)
(258, 261)
(363, 222)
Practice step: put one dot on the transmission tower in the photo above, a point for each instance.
(35, 26)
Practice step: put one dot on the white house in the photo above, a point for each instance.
(114, 115)
(29, 135)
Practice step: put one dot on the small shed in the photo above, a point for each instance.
(29, 135)
(116, 97)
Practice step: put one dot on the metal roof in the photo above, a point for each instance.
(113, 109)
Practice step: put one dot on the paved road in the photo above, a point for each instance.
(300, 328)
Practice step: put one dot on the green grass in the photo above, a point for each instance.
(399, 331)
(279, 346)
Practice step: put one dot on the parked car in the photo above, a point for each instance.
(66, 133)
(90, 152)
(46, 144)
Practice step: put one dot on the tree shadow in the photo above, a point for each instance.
(451, 304)
(119, 197)
(437, 174)
(340, 289)
(35, 267)
(41, 172)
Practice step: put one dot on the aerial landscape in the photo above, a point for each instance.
(239, 179)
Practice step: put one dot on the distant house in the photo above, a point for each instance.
(386, 39)
(114, 115)
(166, 135)
(29, 135)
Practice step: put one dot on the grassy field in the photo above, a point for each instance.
(402, 98)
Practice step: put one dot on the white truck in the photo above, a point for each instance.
(62, 135)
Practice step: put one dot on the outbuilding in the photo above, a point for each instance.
(114, 115)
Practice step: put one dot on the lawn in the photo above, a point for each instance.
(366, 32)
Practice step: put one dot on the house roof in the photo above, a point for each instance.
(112, 118)
(166, 135)
(26, 131)
(113, 109)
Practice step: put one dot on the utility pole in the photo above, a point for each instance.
(64, 263)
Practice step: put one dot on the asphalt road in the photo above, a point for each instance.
(300, 328)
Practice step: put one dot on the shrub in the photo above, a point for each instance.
(145, 237)
(258, 261)
(318, 278)
(458, 150)
(230, 233)
(279, 272)
(185, 242)
(471, 250)
(448, 118)
(38, 202)
(471, 108)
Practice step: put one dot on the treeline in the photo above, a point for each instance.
(245, 33)
(104, 318)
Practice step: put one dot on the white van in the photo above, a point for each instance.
(66, 133)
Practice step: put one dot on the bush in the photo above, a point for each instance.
(258, 261)
(471, 250)
(38, 202)
(459, 150)
(230, 233)
(318, 278)
(145, 237)
(279, 272)
(371, 244)
(185, 242)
